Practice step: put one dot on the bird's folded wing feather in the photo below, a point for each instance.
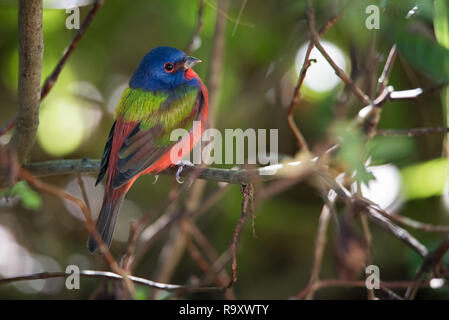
(156, 115)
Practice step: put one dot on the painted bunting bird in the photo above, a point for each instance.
(164, 94)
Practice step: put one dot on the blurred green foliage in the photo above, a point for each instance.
(256, 88)
(29, 198)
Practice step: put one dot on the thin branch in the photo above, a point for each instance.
(31, 47)
(83, 191)
(236, 24)
(247, 207)
(267, 173)
(369, 240)
(383, 79)
(53, 77)
(216, 61)
(374, 213)
(224, 13)
(195, 41)
(418, 225)
(327, 283)
(428, 266)
(412, 132)
(110, 276)
(7, 127)
(320, 243)
(338, 71)
(197, 256)
(395, 230)
(90, 225)
(302, 143)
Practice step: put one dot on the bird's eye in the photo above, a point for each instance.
(169, 67)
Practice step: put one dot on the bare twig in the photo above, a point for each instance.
(374, 214)
(338, 71)
(137, 227)
(412, 132)
(247, 204)
(83, 191)
(197, 256)
(237, 22)
(368, 240)
(216, 61)
(320, 243)
(110, 276)
(302, 143)
(418, 225)
(195, 41)
(7, 127)
(353, 283)
(428, 266)
(395, 230)
(90, 225)
(383, 79)
(53, 77)
(224, 14)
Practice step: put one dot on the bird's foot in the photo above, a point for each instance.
(181, 164)
(156, 177)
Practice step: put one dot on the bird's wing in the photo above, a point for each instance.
(157, 116)
(105, 158)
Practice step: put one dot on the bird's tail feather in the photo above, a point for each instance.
(107, 218)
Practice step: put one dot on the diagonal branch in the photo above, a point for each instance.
(53, 77)
(110, 276)
(195, 41)
(338, 71)
(90, 225)
(413, 132)
(383, 79)
(247, 207)
(427, 267)
(302, 143)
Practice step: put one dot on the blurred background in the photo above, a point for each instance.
(264, 52)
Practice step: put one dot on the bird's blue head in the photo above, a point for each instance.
(165, 69)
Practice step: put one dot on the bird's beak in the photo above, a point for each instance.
(189, 62)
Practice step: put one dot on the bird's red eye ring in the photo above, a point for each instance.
(169, 67)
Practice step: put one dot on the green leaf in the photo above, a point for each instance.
(441, 22)
(390, 149)
(441, 27)
(141, 294)
(423, 53)
(425, 179)
(352, 151)
(29, 198)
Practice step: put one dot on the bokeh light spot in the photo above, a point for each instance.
(61, 127)
(386, 188)
(320, 76)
